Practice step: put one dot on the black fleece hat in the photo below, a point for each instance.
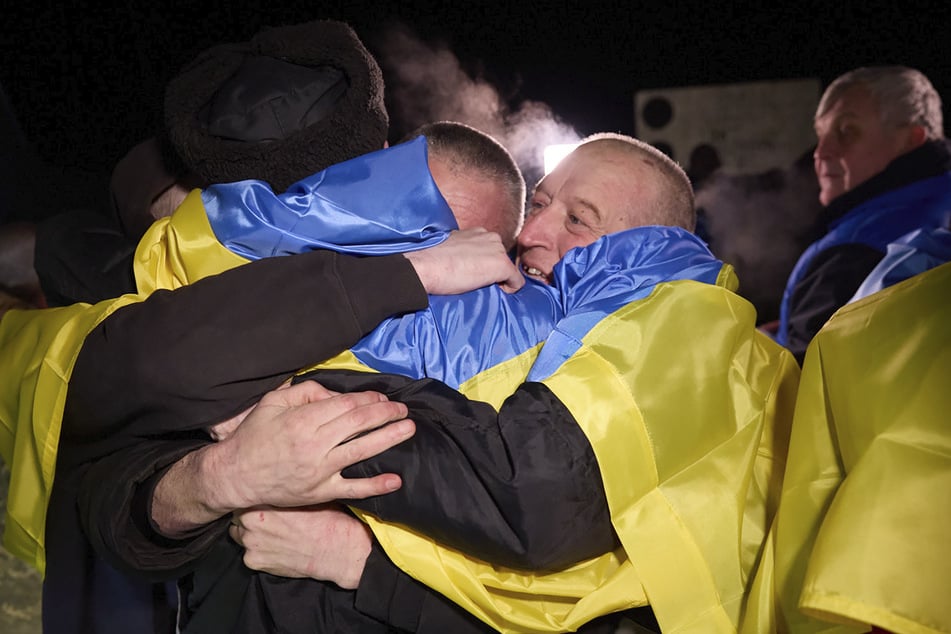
(291, 102)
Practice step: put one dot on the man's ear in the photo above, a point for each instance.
(917, 135)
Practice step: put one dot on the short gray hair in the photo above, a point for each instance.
(676, 207)
(904, 96)
(466, 148)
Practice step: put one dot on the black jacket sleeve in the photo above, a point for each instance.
(154, 374)
(189, 358)
(520, 487)
(392, 596)
(114, 501)
(827, 285)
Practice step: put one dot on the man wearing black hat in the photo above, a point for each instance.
(286, 104)
(290, 102)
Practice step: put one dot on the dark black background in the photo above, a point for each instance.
(86, 79)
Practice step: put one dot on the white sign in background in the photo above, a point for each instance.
(752, 126)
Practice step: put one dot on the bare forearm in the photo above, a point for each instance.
(188, 496)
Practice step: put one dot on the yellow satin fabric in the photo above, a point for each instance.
(181, 249)
(39, 349)
(687, 408)
(862, 533)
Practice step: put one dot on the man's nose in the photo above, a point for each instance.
(536, 231)
(825, 148)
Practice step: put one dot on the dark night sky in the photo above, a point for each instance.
(86, 80)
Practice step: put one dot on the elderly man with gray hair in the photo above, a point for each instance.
(884, 170)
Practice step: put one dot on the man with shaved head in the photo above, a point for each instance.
(609, 183)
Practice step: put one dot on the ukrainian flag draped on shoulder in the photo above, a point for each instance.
(380, 203)
(39, 348)
(687, 408)
(861, 534)
(384, 202)
(470, 339)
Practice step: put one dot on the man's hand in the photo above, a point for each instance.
(288, 451)
(467, 260)
(226, 428)
(320, 542)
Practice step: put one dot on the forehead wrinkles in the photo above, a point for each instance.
(608, 183)
(588, 174)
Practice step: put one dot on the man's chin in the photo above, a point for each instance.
(827, 195)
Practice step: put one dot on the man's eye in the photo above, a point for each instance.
(573, 219)
(847, 132)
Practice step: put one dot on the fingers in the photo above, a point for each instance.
(339, 416)
(360, 488)
(514, 281)
(375, 416)
(372, 443)
(288, 395)
(466, 260)
(316, 395)
(349, 428)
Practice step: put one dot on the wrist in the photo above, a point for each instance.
(217, 485)
(361, 540)
(419, 263)
(180, 500)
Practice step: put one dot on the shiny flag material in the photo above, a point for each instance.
(687, 408)
(375, 204)
(913, 253)
(862, 531)
(461, 336)
(39, 350)
(392, 205)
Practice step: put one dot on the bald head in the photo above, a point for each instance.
(672, 203)
(609, 183)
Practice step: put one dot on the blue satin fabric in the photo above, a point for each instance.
(910, 255)
(460, 336)
(614, 271)
(379, 203)
(387, 202)
(876, 223)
